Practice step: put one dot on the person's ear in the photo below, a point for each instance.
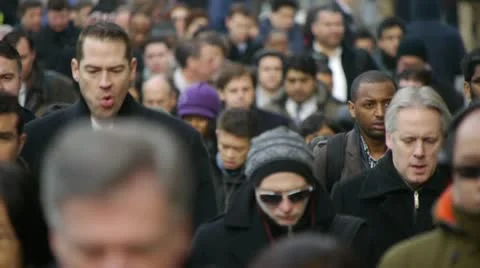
(467, 90)
(75, 69)
(351, 108)
(133, 68)
(388, 140)
(22, 140)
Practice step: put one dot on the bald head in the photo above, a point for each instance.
(158, 94)
(466, 164)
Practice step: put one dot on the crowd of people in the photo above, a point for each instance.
(147, 134)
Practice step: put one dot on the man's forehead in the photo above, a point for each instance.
(92, 45)
(476, 72)
(470, 125)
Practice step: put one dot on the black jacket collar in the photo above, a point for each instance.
(384, 178)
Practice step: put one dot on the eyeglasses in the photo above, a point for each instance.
(468, 172)
(274, 198)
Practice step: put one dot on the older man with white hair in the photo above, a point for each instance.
(396, 196)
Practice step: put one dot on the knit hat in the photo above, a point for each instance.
(413, 47)
(199, 99)
(279, 150)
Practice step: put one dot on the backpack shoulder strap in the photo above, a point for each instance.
(335, 159)
(345, 227)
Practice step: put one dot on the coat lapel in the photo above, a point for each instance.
(245, 245)
(353, 161)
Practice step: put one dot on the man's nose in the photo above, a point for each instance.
(105, 81)
(419, 150)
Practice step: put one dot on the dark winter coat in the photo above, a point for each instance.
(40, 133)
(49, 87)
(234, 239)
(383, 199)
(50, 45)
(267, 120)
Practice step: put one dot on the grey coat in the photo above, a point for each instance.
(352, 164)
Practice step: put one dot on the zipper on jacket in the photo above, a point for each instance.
(416, 205)
(290, 231)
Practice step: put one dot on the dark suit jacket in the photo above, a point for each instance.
(381, 197)
(245, 57)
(50, 45)
(267, 120)
(41, 132)
(354, 62)
(26, 115)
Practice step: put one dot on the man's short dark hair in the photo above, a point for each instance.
(81, 4)
(163, 39)
(57, 5)
(214, 39)
(277, 4)
(370, 77)
(26, 5)
(315, 122)
(329, 7)
(390, 23)
(14, 37)
(9, 104)
(364, 33)
(303, 63)
(9, 52)
(104, 31)
(237, 121)
(259, 55)
(239, 8)
(469, 63)
(423, 75)
(185, 50)
(307, 250)
(233, 71)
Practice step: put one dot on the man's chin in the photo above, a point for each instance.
(377, 135)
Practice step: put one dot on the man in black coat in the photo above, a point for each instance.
(104, 69)
(40, 88)
(280, 198)
(10, 73)
(346, 62)
(242, 46)
(397, 195)
(57, 36)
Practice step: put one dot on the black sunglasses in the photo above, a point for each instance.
(295, 196)
(468, 172)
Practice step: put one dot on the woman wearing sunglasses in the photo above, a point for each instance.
(280, 198)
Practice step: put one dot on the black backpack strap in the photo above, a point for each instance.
(335, 159)
(345, 228)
